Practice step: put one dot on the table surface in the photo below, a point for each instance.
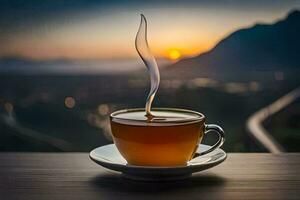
(72, 176)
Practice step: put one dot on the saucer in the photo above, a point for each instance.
(109, 157)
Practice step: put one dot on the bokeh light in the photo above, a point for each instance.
(70, 102)
(103, 109)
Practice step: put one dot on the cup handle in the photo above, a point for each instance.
(217, 129)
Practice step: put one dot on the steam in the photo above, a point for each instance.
(141, 45)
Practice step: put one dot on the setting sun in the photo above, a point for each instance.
(174, 54)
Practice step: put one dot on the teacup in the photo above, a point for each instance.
(168, 139)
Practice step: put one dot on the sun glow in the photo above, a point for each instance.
(174, 54)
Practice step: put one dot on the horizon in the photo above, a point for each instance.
(77, 36)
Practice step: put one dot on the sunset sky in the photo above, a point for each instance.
(76, 29)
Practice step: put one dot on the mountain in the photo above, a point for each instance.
(262, 47)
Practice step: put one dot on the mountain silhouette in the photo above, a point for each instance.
(262, 47)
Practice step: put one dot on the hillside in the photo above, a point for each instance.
(262, 47)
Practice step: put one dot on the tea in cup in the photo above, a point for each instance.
(170, 138)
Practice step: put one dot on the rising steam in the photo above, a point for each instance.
(141, 45)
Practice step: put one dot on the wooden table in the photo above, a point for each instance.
(72, 176)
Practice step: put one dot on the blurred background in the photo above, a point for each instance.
(66, 65)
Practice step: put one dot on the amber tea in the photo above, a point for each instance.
(168, 140)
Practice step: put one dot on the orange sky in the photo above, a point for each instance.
(94, 35)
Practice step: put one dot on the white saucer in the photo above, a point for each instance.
(109, 157)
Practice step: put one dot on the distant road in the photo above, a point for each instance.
(254, 122)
